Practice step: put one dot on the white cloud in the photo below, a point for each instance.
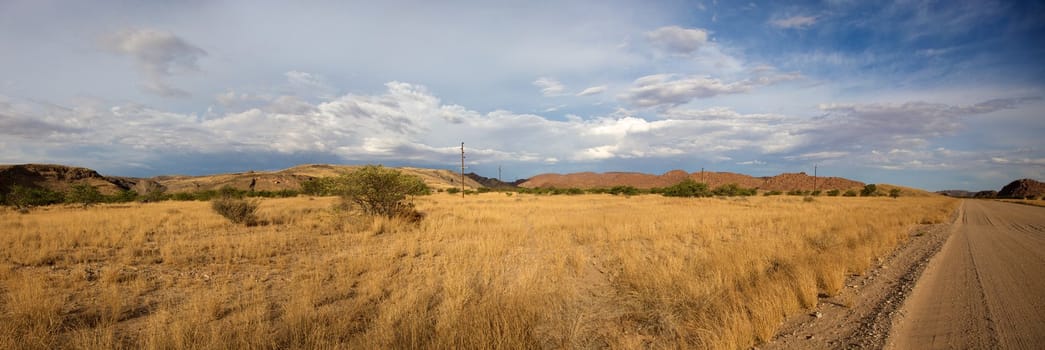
(665, 90)
(909, 123)
(594, 90)
(678, 40)
(794, 22)
(549, 86)
(819, 155)
(311, 84)
(158, 54)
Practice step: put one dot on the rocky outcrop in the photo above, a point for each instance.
(54, 177)
(1023, 188)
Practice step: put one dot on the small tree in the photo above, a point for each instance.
(84, 194)
(833, 193)
(894, 192)
(377, 190)
(869, 190)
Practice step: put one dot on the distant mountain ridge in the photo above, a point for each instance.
(62, 178)
(1022, 188)
(782, 182)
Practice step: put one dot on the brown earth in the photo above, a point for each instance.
(1023, 188)
(782, 182)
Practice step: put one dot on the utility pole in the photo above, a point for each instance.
(814, 177)
(702, 176)
(462, 169)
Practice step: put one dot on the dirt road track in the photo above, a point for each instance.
(985, 289)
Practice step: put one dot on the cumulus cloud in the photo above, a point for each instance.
(794, 22)
(594, 90)
(158, 54)
(403, 123)
(407, 123)
(549, 86)
(678, 40)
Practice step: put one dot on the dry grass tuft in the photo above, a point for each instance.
(486, 271)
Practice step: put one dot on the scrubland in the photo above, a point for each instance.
(486, 271)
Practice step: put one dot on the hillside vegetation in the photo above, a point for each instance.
(483, 271)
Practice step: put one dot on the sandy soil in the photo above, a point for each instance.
(986, 287)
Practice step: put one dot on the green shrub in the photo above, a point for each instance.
(624, 190)
(240, 211)
(22, 197)
(849, 193)
(320, 186)
(816, 193)
(155, 195)
(122, 197)
(833, 193)
(894, 193)
(230, 192)
(731, 190)
(773, 193)
(453, 190)
(687, 188)
(84, 194)
(869, 190)
(381, 191)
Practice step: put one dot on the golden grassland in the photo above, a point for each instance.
(486, 271)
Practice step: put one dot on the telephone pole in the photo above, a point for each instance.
(814, 177)
(462, 169)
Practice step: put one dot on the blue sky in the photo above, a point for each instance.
(931, 94)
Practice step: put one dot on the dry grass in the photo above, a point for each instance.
(1034, 202)
(487, 271)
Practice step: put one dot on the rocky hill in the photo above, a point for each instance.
(1023, 188)
(957, 193)
(490, 182)
(782, 182)
(62, 178)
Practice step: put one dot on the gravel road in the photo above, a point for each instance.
(985, 289)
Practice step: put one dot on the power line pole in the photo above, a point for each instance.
(814, 177)
(702, 176)
(462, 169)
(499, 173)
